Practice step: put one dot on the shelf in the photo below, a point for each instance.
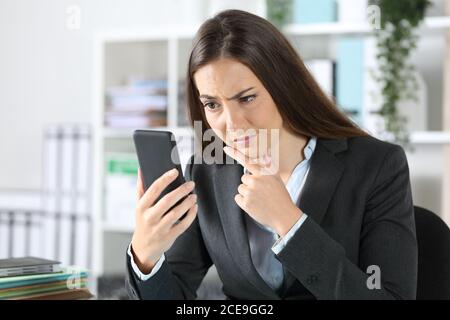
(358, 29)
(315, 29)
(324, 29)
(145, 34)
(430, 137)
(437, 22)
(109, 227)
(418, 137)
(128, 133)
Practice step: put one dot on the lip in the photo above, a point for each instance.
(244, 139)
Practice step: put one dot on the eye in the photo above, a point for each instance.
(247, 99)
(212, 106)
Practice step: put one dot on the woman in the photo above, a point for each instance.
(333, 219)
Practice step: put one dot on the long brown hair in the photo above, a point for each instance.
(255, 42)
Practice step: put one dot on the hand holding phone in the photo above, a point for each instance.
(163, 198)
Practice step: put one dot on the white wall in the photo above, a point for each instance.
(46, 69)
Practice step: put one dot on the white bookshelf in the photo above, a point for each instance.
(429, 26)
(114, 227)
(430, 137)
(170, 48)
(126, 133)
(149, 53)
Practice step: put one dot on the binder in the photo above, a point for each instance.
(323, 70)
(317, 11)
(55, 222)
(350, 76)
(19, 233)
(66, 195)
(4, 234)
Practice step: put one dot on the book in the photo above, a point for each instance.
(323, 70)
(39, 289)
(350, 76)
(126, 91)
(138, 103)
(27, 265)
(66, 274)
(141, 102)
(71, 278)
(317, 11)
(135, 121)
(73, 294)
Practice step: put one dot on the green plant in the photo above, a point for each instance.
(396, 39)
(279, 12)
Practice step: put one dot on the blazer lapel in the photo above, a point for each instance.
(324, 174)
(226, 182)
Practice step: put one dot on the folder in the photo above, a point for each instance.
(27, 265)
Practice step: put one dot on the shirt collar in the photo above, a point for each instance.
(307, 151)
(310, 147)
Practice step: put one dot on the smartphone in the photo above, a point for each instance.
(157, 153)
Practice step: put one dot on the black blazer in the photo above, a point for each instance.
(358, 199)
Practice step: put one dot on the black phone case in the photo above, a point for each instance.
(157, 153)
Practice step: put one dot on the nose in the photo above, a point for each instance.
(234, 119)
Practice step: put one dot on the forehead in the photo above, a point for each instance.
(224, 77)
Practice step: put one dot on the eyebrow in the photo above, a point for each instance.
(236, 96)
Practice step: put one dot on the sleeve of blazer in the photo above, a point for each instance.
(387, 240)
(180, 275)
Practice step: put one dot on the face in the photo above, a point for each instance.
(237, 106)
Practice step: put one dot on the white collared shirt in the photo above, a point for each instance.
(264, 242)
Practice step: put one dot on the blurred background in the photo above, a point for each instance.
(77, 77)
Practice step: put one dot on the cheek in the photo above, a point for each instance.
(267, 116)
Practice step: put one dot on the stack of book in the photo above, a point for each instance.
(140, 103)
(32, 278)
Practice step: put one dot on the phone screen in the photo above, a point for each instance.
(157, 153)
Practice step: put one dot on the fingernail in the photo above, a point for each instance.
(172, 172)
(194, 196)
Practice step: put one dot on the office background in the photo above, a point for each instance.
(78, 76)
